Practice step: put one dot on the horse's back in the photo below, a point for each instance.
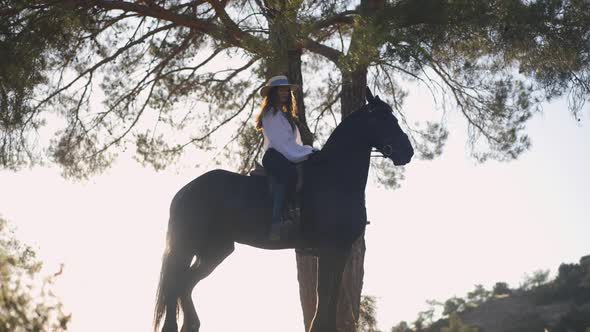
(219, 205)
(222, 189)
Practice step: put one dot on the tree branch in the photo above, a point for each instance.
(408, 13)
(96, 66)
(329, 53)
(219, 125)
(158, 70)
(346, 17)
(236, 37)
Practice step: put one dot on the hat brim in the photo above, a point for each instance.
(265, 89)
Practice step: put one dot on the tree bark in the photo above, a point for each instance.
(354, 82)
(350, 289)
(285, 55)
(286, 59)
(352, 98)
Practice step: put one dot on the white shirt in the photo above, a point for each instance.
(279, 135)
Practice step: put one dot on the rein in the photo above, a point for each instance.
(378, 155)
(387, 151)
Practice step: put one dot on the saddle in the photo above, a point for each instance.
(259, 170)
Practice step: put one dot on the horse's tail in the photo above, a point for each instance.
(166, 289)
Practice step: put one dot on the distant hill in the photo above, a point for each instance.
(561, 305)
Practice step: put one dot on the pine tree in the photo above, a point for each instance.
(493, 62)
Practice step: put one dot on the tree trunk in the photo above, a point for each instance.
(353, 96)
(285, 55)
(350, 291)
(285, 59)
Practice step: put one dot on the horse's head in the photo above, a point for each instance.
(386, 134)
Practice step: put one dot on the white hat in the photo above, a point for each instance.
(280, 80)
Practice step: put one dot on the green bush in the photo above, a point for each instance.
(26, 302)
(456, 325)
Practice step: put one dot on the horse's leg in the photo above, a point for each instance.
(340, 260)
(330, 267)
(203, 266)
(175, 264)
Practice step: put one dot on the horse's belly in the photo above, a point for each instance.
(338, 218)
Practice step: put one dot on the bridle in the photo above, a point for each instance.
(385, 151)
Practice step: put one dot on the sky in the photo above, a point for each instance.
(452, 224)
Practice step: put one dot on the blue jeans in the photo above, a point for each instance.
(281, 171)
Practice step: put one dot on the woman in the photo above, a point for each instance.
(282, 142)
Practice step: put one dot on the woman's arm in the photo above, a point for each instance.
(282, 138)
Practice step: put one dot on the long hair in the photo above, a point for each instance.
(270, 103)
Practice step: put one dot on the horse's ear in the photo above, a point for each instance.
(369, 96)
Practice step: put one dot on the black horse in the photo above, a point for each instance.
(219, 208)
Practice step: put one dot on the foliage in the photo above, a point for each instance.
(501, 289)
(174, 72)
(426, 317)
(454, 305)
(367, 321)
(478, 296)
(535, 280)
(32, 41)
(569, 285)
(401, 327)
(456, 325)
(385, 175)
(26, 302)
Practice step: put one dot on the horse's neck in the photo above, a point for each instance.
(346, 158)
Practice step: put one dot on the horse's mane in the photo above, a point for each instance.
(344, 125)
(361, 111)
